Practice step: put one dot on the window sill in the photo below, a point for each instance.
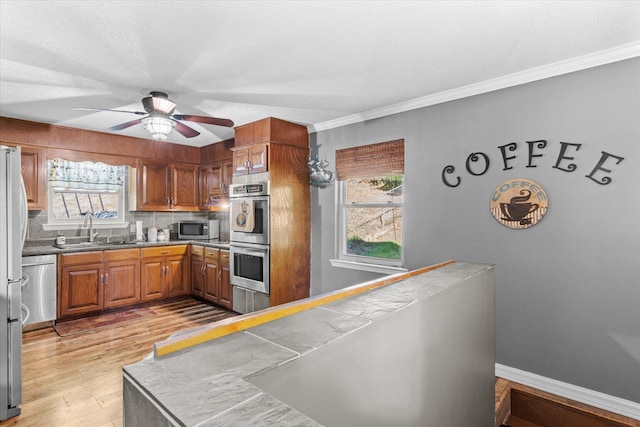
(54, 227)
(375, 268)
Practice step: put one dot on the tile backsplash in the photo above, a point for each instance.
(36, 235)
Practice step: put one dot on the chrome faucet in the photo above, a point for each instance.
(89, 216)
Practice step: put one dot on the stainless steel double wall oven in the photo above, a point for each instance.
(249, 237)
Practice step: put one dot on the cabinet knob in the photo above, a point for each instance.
(106, 279)
(101, 279)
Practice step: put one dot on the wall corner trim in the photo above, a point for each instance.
(603, 57)
(593, 398)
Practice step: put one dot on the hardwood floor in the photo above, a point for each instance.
(76, 380)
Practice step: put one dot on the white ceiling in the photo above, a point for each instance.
(310, 62)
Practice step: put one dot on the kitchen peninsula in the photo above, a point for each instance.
(334, 359)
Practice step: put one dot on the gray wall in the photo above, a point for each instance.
(567, 289)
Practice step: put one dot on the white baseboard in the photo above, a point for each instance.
(589, 397)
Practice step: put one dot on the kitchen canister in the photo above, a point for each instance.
(152, 234)
(139, 233)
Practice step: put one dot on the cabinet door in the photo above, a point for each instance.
(215, 179)
(153, 186)
(197, 276)
(203, 187)
(121, 283)
(152, 278)
(81, 289)
(211, 284)
(241, 162)
(227, 176)
(34, 175)
(177, 276)
(226, 291)
(184, 187)
(211, 184)
(258, 158)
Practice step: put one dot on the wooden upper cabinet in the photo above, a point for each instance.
(253, 142)
(153, 185)
(34, 175)
(166, 187)
(184, 188)
(251, 159)
(214, 181)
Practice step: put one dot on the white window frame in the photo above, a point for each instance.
(54, 224)
(344, 260)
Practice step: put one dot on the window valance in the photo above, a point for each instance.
(64, 174)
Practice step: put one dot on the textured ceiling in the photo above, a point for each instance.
(308, 62)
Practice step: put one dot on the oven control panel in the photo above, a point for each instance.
(257, 189)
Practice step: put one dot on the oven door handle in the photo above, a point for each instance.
(253, 252)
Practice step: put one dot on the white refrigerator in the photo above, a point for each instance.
(13, 223)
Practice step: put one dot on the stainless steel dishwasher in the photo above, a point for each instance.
(38, 289)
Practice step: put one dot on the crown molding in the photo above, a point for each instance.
(589, 397)
(603, 57)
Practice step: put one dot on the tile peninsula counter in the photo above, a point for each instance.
(412, 349)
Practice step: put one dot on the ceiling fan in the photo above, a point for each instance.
(160, 120)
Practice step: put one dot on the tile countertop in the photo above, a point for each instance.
(48, 249)
(211, 383)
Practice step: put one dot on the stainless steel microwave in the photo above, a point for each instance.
(193, 230)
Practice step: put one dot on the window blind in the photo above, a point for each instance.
(366, 161)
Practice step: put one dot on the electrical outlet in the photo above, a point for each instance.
(132, 228)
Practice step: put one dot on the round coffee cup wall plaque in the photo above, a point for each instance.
(519, 203)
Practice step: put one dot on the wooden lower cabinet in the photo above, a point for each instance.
(197, 271)
(177, 278)
(164, 272)
(210, 277)
(118, 278)
(81, 289)
(93, 281)
(89, 282)
(226, 291)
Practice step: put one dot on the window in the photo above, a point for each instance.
(79, 187)
(370, 206)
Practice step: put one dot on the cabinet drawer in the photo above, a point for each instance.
(121, 254)
(211, 252)
(224, 257)
(81, 258)
(197, 250)
(162, 251)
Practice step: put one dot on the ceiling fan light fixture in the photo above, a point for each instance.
(159, 127)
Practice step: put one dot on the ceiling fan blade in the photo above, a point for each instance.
(185, 130)
(204, 119)
(125, 125)
(140, 113)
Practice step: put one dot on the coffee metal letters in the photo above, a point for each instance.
(478, 163)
